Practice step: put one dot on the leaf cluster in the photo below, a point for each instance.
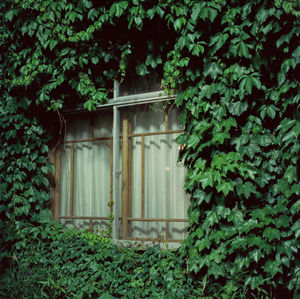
(49, 261)
(235, 69)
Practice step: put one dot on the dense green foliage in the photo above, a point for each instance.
(50, 264)
(235, 68)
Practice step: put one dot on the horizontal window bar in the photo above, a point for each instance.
(88, 140)
(124, 101)
(157, 220)
(84, 217)
(155, 133)
(153, 239)
(129, 135)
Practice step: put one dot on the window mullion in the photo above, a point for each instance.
(142, 176)
(116, 172)
(125, 168)
(57, 163)
(71, 178)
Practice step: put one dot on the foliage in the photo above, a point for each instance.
(241, 146)
(236, 73)
(48, 262)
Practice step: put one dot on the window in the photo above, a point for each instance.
(122, 161)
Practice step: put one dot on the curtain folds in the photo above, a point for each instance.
(164, 196)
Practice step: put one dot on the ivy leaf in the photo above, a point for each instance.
(243, 50)
(218, 161)
(296, 229)
(200, 164)
(213, 70)
(194, 216)
(295, 208)
(239, 141)
(236, 216)
(193, 141)
(256, 82)
(237, 108)
(138, 21)
(246, 189)
(225, 187)
(88, 4)
(291, 174)
(246, 84)
(271, 233)
(220, 137)
(197, 49)
(272, 267)
(251, 149)
(211, 219)
(95, 60)
(142, 70)
(200, 196)
(196, 11)
(206, 179)
(178, 23)
(216, 270)
(117, 8)
(269, 110)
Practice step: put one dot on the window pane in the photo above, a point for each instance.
(163, 178)
(90, 168)
(137, 84)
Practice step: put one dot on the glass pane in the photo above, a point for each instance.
(136, 85)
(163, 176)
(91, 169)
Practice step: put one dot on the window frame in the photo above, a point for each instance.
(116, 103)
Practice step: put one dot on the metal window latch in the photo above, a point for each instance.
(118, 173)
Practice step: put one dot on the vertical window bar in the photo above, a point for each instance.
(116, 172)
(116, 89)
(57, 183)
(125, 179)
(143, 176)
(111, 175)
(167, 230)
(166, 118)
(129, 180)
(71, 177)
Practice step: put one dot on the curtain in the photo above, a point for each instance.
(164, 195)
(91, 172)
(163, 176)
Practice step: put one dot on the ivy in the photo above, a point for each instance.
(234, 68)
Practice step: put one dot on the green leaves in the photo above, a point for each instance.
(193, 141)
(179, 23)
(245, 189)
(213, 69)
(271, 233)
(268, 110)
(206, 179)
(118, 8)
(247, 82)
(233, 69)
(142, 70)
(225, 187)
(237, 108)
(204, 11)
(291, 174)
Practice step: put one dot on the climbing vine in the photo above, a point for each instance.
(235, 70)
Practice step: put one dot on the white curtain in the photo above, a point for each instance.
(164, 176)
(91, 184)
